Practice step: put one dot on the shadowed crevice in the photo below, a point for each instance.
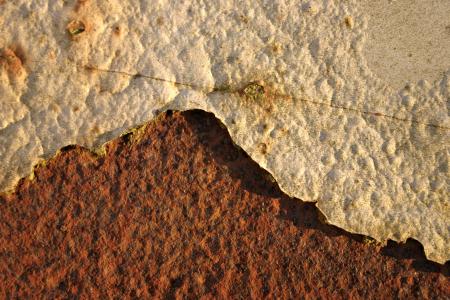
(300, 213)
(178, 209)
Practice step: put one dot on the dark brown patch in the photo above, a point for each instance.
(90, 69)
(349, 22)
(117, 30)
(263, 148)
(244, 19)
(276, 48)
(160, 21)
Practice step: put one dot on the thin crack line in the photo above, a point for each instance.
(206, 89)
(139, 75)
(377, 114)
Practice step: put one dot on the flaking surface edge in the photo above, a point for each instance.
(296, 83)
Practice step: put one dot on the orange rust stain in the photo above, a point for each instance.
(12, 59)
(20, 53)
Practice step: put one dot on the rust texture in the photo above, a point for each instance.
(13, 60)
(179, 212)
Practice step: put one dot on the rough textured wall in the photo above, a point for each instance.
(297, 84)
(181, 212)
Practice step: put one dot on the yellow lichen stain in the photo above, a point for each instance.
(369, 241)
(75, 28)
(254, 91)
(261, 94)
(134, 135)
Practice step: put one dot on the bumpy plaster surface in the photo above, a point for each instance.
(298, 84)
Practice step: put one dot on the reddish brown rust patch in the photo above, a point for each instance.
(182, 213)
(13, 59)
